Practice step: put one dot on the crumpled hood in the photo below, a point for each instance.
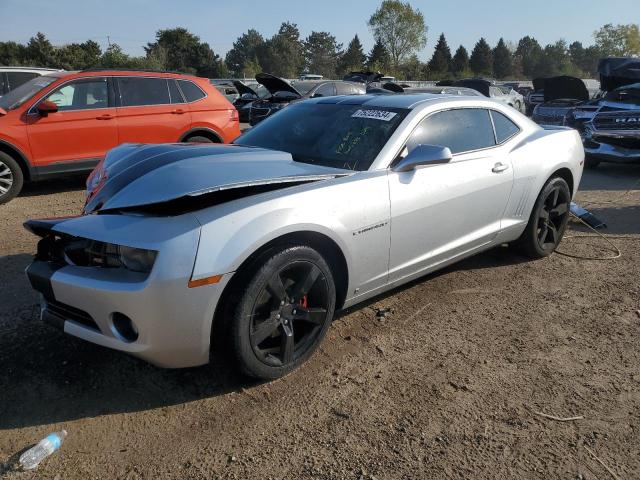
(565, 87)
(275, 84)
(140, 175)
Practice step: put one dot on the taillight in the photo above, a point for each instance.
(234, 115)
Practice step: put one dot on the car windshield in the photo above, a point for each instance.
(626, 94)
(304, 87)
(333, 135)
(24, 92)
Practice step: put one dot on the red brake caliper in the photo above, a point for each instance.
(303, 302)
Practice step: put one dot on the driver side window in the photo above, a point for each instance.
(462, 130)
(81, 95)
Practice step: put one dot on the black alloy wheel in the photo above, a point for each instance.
(284, 312)
(551, 219)
(548, 220)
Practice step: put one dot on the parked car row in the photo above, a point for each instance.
(609, 121)
(64, 122)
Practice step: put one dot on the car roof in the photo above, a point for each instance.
(121, 72)
(30, 69)
(406, 100)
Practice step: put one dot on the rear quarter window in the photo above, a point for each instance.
(192, 92)
(505, 128)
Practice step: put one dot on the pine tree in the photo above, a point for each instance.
(481, 61)
(378, 60)
(353, 58)
(460, 62)
(440, 62)
(502, 61)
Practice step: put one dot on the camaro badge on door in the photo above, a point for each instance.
(369, 228)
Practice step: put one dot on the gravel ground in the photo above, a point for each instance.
(447, 386)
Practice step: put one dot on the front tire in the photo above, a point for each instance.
(198, 139)
(548, 220)
(283, 312)
(11, 178)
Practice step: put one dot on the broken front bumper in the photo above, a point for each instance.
(154, 316)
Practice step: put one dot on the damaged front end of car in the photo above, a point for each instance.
(561, 95)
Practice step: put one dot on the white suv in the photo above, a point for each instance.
(12, 77)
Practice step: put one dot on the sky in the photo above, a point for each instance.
(133, 23)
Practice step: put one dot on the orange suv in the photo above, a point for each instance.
(65, 122)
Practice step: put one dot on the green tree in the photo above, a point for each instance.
(244, 52)
(321, 54)
(114, 57)
(353, 59)
(502, 60)
(440, 62)
(400, 28)
(185, 52)
(40, 52)
(618, 40)
(78, 56)
(481, 61)
(412, 68)
(555, 60)
(282, 54)
(378, 59)
(529, 53)
(460, 62)
(12, 53)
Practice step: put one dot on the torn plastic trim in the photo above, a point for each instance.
(198, 200)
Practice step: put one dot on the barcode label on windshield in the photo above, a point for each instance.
(374, 114)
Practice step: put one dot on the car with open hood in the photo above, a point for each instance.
(560, 95)
(63, 123)
(188, 250)
(247, 95)
(282, 93)
(610, 125)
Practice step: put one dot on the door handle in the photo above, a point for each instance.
(178, 111)
(106, 116)
(499, 167)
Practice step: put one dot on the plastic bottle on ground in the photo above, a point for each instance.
(32, 457)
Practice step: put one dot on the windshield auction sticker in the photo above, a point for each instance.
(374, 115)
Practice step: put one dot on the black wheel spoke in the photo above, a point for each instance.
(560, 209)
(553, 233)
(544, 214)
(315, 316)
(287, 345)
(265, 329)
(276, 288)
(302, 288)
(542, 236)
(552, 199)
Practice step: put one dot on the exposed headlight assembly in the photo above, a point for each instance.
(136, 259)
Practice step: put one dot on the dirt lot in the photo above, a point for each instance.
(445, 387)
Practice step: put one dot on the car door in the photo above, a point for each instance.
(443, 211)
(81, 131)
(150, 110)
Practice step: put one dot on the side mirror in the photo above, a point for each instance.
(46, 107)
(424, 155)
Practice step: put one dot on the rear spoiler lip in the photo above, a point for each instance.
(43, 226)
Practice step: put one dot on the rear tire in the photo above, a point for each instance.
(548, 220)
(199, 139)
(283, 312)
(11, 178)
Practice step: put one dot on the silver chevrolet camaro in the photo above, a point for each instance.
(185, 250)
